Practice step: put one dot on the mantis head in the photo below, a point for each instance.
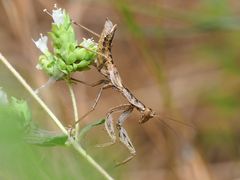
(147, 114)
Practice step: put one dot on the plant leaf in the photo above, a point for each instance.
(22, 108)
(89, 127)
(43, 137)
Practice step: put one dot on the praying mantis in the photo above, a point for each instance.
(105, 65)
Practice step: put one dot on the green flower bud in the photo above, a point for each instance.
(67, 57)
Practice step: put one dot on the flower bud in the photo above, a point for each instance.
(66, 57)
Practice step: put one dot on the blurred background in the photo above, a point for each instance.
(180, 58)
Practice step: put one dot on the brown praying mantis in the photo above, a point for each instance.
(105, 65)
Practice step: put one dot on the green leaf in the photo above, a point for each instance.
(16, 120)
(89, 127)
(42, 137)
(21, 107)
(11, 125)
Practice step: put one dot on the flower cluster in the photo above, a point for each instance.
(68, 56)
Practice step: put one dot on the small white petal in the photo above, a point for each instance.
(39, 67)
(41, 43)
(87, 42)
(58, 16)
(3, 97)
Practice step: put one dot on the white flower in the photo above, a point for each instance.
(41, 44)
(57, 15)
(88, 42)
(39, 67)
(3, 97)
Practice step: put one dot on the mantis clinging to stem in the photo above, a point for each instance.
(105, 65)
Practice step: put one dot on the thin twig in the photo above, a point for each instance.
(55, 119)
(75, 110)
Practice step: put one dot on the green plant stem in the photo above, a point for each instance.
(75, 110)
(55, 119)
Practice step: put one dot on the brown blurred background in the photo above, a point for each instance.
(179, 57)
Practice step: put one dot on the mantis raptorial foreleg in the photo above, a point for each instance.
(110, 130)
(122, 132)
(109, 123)
(123, 136)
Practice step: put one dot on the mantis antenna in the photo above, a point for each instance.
(89, 30)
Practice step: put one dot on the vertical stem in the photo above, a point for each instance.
(75, 110)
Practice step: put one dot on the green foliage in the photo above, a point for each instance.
(22, 109)
(19, 116)
(21, 112)
(11, 126)
(67, 56)
(43, 137)
(23, 161)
